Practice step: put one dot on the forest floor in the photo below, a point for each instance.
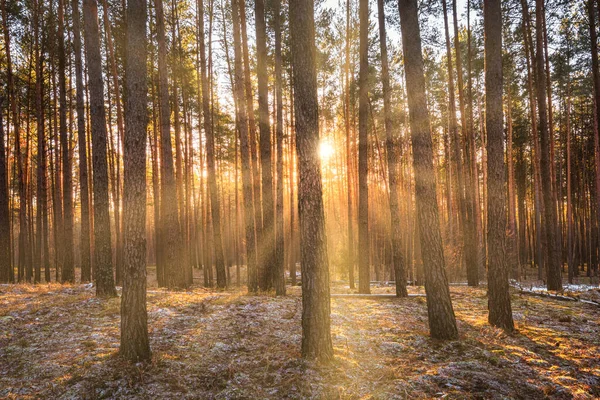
(59, 341)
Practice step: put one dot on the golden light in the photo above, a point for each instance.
(326, 150)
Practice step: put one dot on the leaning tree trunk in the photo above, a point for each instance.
(134, 317)
(498, 295)
(103, 268)
(316, 334)
(442, 322)
(392, 162)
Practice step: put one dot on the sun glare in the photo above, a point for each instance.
(326, 150)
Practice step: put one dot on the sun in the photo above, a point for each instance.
(326, 150)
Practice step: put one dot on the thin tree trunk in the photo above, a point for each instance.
(279, 265)
(552, 250)
(84, 243)
(267, 234)
(351, 260)
(398, 260)
(105, 285)
(363, 164)
(210, 158)
(251, 121)
(171, 230)
(242, 127)
(596, 77)
(470, 242)
(66, 239)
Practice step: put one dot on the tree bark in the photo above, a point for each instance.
(134, 317)
(266, 242)
(596, 78)
(316, 336)
(392, 162)
(171, 230)
(66, 241)
(351, 260)
(242, 128)
(84, 243)
(500, 313)
(279, 265)
(363, 162)
(442, 322)
(471, 246)
(215, 204)
(103, 268)
(5, 250)
(552, 250)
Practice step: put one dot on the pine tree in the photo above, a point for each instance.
(498, 295)
(316, 334)
(134, 317)
(103, 265)
(442, 322)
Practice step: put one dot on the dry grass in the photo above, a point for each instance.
(61, 342)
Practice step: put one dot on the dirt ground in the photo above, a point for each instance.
(60, 341)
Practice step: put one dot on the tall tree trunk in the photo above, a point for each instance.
(442, 322)
(251, 121)
(23, 259)
(570, 228)
(103, 268)
(351, 260)
(529, 55)
(457, 162)
(66, 241)
(470, 235)
(279, 266)
(41, 149)
(134, 318)
(512, 247)
(171, 230)
(364, 270)
(267, 233)
(500, 313)
(316, 334)
(120, 133)
(84, 243)
(242, 127)
(596, 77)
(554, 270)
(215, 204)
(6, 268)
(5, 250)
(392, 162)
